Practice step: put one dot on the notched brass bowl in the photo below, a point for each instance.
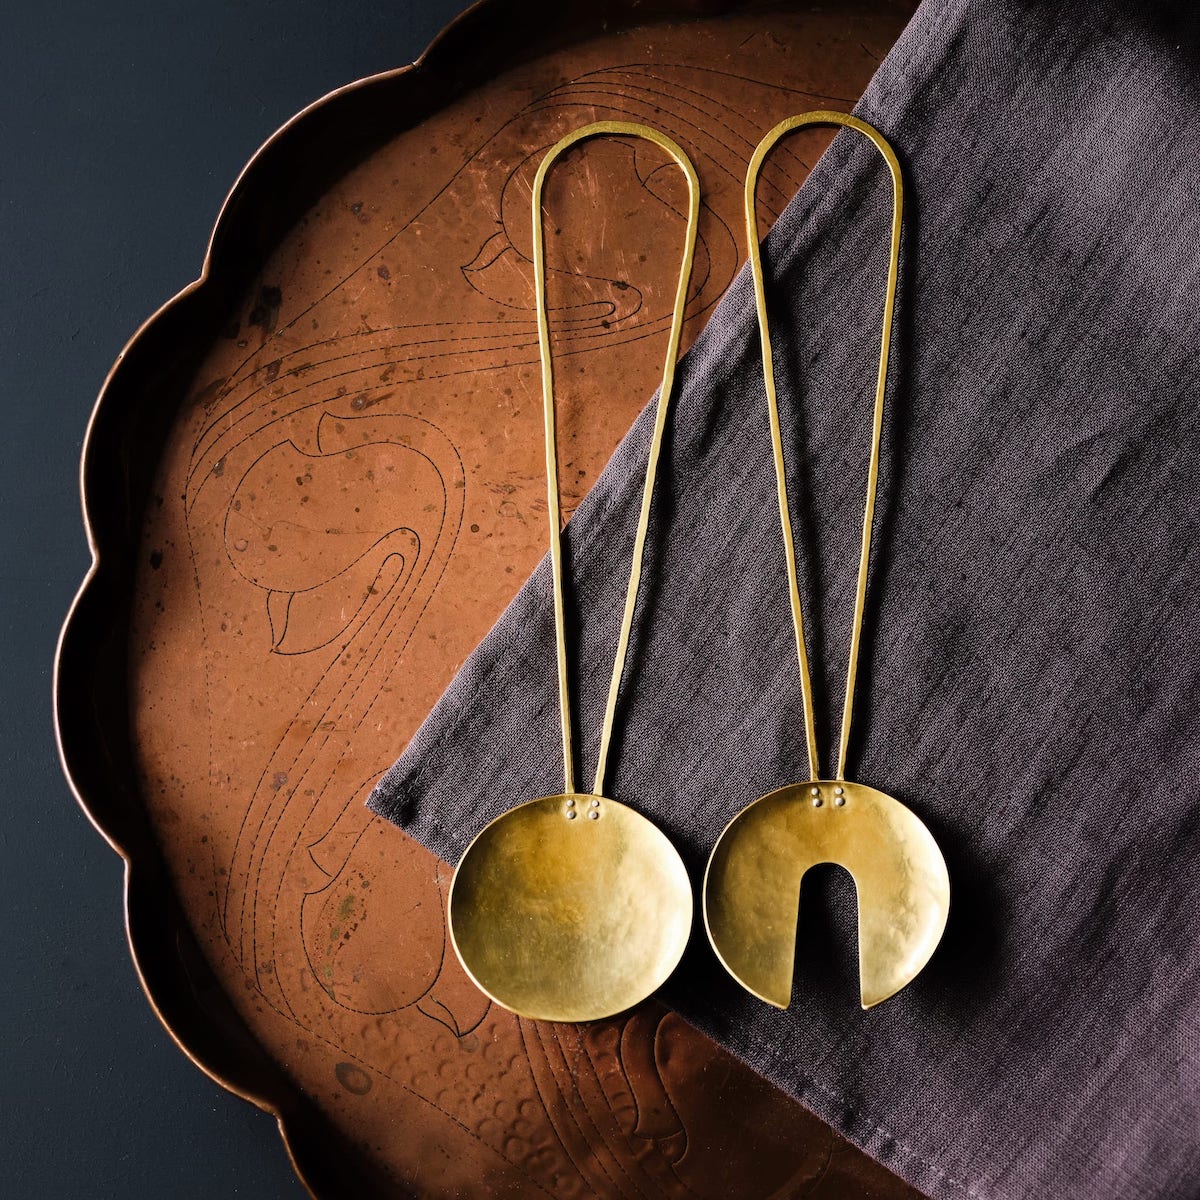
(752, 885)
(570, 908)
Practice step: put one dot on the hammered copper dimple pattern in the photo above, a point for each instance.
(345, 457)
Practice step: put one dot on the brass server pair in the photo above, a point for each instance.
(574, 907)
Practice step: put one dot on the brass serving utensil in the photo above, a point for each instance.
(575, 907)
(752, 883)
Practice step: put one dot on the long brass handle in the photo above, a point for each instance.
(768, 143)
(597, 129)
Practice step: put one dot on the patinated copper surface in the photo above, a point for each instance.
(314, 482)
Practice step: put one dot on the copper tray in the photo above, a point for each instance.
(312, 482)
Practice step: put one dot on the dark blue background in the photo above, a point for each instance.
(122, 126)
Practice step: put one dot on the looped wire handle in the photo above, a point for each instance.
(768, 143)
(626, 129)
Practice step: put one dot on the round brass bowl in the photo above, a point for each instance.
(752, 885)
(570, 908)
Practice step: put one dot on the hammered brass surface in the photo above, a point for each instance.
(573, 907)
(752, 885)
(570, 908)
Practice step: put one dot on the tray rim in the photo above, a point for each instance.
(92, 806)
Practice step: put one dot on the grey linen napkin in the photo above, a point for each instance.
(1029, 675)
